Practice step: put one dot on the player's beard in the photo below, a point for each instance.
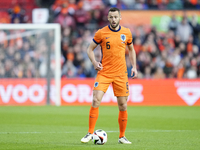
(114, 26)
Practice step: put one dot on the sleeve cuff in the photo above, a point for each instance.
(129, 43)
(95, 42)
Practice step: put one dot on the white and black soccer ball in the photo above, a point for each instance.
(99, 137)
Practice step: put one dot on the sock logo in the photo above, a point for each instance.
(188, 91)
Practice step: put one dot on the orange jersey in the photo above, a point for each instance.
(113, 45)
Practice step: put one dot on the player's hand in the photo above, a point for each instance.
(134, 73)
(97, 66)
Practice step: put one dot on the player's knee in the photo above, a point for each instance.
(96, 102)
(122, 106)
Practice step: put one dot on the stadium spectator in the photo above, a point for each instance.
(64, 19)
(174, 4)
(137, 45)
(195, 30)
(175, 57)
(168, 68)
(69, 70)
(2, 71)
(190, 4)
(141, 5)
(173, 24)
(95, 20)
(89, 5)
(129, 4)
(153, 4)
(159, 74)
(191, 72)
(162, 4)
(184, 26)
(119, 4)
(17, 14)
(81, 16)
(147, 73)
(198, 4)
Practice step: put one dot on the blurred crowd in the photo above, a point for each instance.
(174, 54)
(135, 4)
(171, 54)
(16, 13)
(24, 53)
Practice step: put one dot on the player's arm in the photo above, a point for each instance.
(90, 51)
(132, 57)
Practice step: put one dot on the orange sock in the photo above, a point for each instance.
(122, 120)
(93, 116)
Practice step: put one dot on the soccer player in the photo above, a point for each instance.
(112, 69)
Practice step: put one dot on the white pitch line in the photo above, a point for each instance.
(20, 132)
(158, 131)
(106, 131)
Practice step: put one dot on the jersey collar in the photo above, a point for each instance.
(114, 30)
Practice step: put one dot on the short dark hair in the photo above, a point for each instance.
(114, 9)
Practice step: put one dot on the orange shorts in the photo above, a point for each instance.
(119, 83)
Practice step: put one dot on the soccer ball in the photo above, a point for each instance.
(99, 137)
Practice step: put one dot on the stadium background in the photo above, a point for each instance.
(167, 61)
(166, 37)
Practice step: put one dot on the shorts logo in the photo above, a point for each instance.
(123, 37)
(96, 84)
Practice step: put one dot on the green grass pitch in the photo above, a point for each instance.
(61, 128)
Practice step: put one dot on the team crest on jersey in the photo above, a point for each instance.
(123, 37)
(96, 84)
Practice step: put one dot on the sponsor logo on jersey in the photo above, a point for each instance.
(188, 91)
(107, 37)
(96, 84)
(123, 37)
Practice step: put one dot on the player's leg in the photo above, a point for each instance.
(100, 87)
(122, 119)
(123, 116)
(94, 110)
(121, 90)
(93, 114)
